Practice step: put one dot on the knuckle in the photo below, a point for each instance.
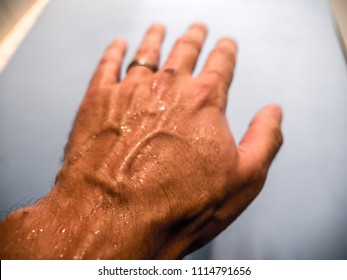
(189, 42)
(110, 57)
(205, 86)
(218, 74)
(219, 81)
(227, 54)
(228, 41)
(146, 51)
(259, 172)
(210, 94)
(205, 96)
(278, 137)
(170, 72)
(104, 61)
(275, 132)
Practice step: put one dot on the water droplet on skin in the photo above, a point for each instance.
(216, 148)
(175, 127)
(98, 231)
(162, 108)
(133, 178)
(61, 255)
(155, 85)
(63, 230)
(125, 128)
(33, 231)
(41, 230)
(200, 149)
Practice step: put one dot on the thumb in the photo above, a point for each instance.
(260, 143)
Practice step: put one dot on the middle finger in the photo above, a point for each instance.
(185, 53)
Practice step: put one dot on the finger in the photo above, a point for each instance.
(261, 143)
(219, 67)
(149, 50)
(185, 53)
(108, 70)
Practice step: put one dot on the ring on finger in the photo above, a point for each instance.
(144, 63)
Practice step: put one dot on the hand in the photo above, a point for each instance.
(151, 169)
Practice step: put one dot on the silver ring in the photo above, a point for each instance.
(143, 62)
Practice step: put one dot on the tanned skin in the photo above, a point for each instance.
(151, 169)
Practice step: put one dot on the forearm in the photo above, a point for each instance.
(61, 227)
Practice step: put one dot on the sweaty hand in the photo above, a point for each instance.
(153, 152)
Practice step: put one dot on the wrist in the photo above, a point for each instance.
(56, 227)
(84, 222)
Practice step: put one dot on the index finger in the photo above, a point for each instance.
(187, 48)
(219, 67)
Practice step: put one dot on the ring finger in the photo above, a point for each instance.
(148, 52)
